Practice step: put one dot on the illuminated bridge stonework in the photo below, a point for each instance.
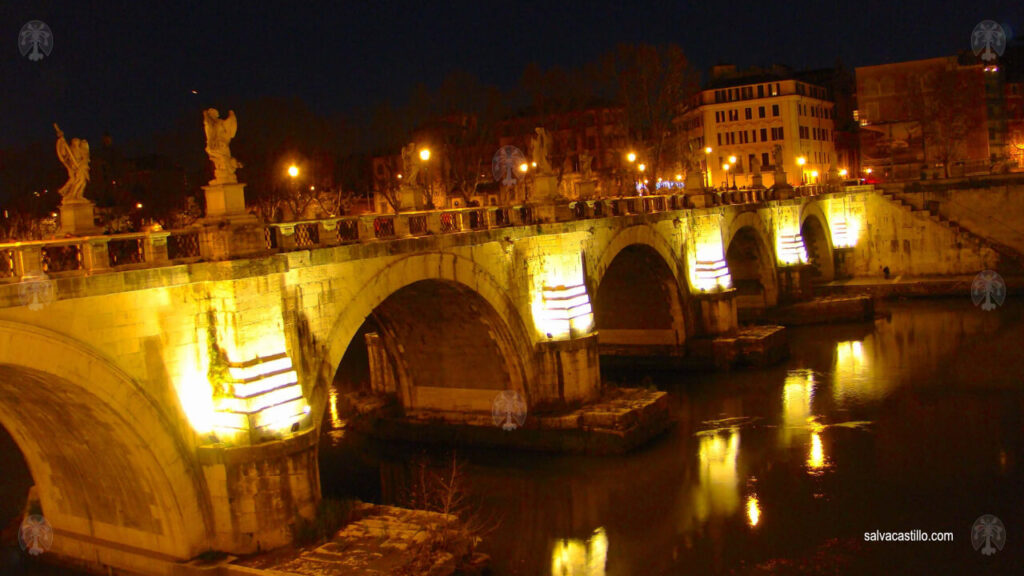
(169, 403)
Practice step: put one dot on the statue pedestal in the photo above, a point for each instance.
(78, 218)
(782, 188)
(694, 183)
(545, 187)
(586, 189)
(225, 201)
(757, 182)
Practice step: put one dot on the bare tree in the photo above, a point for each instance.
(947, 103)
(654, 83)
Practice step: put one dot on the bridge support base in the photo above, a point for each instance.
(259, 492)
(571, 371)
(795, 283)
(717, 313)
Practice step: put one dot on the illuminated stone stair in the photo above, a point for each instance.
(264, 399)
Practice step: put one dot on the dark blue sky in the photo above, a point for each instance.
(130, 67)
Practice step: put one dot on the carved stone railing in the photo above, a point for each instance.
(96, 254)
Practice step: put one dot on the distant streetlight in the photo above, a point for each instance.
(843, 172)
(801, 161)
(293, 171)
(312, 188)
(868, 170)
(707, 166)
(725, 167)
(631, 157)
(138, 205)
(425, 154)
(732, 159)
(707, 150)
(523, 167)
(642, 167)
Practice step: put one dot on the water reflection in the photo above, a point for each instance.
(753, 510)
(855, 379)
(797, 395)
(576, 557)
(816, 457)
(718, 492)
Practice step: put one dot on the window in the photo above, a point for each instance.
(753, 135)
(764, 159)
(719, 139)
(760, 92)
(764, 134)
(760, 112)
(777, 133)
(750, 159)
(747, 114)
(775, 109)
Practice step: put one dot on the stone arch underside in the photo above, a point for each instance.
(445, 311)
(112, 476)
(638, 305)
(752, 267)
(818, 243)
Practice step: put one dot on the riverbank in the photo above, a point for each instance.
(911, 286)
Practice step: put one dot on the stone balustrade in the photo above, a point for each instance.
(95, 254)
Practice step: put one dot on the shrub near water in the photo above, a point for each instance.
(331, 515)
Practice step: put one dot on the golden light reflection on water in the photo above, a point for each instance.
(816, 457)
(855, 377)
(336, 421)
(718, 491)
(753, 510)
(797, 395)
(576, 557)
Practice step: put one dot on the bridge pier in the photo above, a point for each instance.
(258, 492)
(569, 371)
(717, 312)
(795, 282)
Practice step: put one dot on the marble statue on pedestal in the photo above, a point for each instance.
(219, 133)
(75, 158)
(585, 161)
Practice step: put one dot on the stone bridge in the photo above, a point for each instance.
(166, 389)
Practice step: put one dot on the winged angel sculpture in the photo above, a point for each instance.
(219, 133)
(75, 158)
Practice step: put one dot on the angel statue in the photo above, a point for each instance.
(75, 158)
(218, 134)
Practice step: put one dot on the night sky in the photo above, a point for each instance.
(130, 67)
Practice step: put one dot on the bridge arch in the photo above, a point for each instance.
(751, 261)
(110, 467)
(430, 308)
(639, 293)
(816, 232)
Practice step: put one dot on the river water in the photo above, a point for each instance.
(911, 422)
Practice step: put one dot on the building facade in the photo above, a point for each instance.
(739, 119)
(930, 117)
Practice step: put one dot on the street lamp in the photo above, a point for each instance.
(843, 172)
(293, 171)
(425, 154)
(631, 157)
(725, 167)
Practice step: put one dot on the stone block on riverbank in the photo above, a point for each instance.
(384, 540)
(622, 419)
